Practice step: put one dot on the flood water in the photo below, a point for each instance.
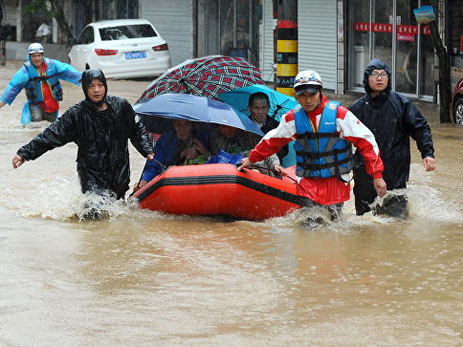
(144, 278)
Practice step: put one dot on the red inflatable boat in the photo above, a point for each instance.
(220, 189)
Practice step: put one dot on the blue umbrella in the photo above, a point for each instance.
(279, 103)
(193, 108)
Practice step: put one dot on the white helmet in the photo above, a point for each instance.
(307, 81)
(35, 48)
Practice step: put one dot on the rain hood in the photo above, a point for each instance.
(87, 77)
(376, 64)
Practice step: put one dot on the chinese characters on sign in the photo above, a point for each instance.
(404, 32)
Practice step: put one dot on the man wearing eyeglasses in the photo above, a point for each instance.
(393, 119)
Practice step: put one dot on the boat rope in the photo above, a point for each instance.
(277, 173)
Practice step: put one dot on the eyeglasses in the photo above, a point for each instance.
(375, 75)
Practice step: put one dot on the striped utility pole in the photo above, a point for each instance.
(286, 46)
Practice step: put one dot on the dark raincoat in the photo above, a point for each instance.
(393, 119)
(101, 137)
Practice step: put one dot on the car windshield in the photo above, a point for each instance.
(127, 32)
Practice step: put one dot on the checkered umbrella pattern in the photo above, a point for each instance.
(205, 76)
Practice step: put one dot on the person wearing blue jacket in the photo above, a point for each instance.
(40, 77)
(184, 144)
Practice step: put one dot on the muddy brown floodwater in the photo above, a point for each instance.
(144, 278)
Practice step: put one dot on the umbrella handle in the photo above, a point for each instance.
(277, 109)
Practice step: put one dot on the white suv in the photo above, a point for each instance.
(121, 48)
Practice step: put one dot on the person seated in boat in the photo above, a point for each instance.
(259, 106)
(182, 145)
(233, 141)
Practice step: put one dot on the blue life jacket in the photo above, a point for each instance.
(33, 87)
(321, 154)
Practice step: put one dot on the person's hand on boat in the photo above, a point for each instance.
(245, 162)
(380, 186)
(17, 161)
(150, 156)
(280, 170)
(139, 185)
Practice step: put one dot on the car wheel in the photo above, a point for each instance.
(458, 111)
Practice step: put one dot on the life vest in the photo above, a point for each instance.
(33, 87)
(321, 154)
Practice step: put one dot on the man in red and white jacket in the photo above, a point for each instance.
(324, 134)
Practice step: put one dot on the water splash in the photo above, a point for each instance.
(61, 199)
(426, 204)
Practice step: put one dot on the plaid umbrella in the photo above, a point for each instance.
(205, 76)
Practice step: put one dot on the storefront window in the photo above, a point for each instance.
(456, 32)
(243, 24)
(382, 31)
(236, 24)
(427, 84)
(388, 30)
(360, 50)
(127, 9)
(406, 43)
(227, 26)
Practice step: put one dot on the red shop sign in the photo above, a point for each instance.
(405, 37)
(404, 30)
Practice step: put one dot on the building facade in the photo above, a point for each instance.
(335, 37)
(388, 30)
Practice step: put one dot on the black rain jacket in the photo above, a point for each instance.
(393, 119)
(101, 137)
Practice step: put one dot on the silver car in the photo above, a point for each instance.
(121, 48)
